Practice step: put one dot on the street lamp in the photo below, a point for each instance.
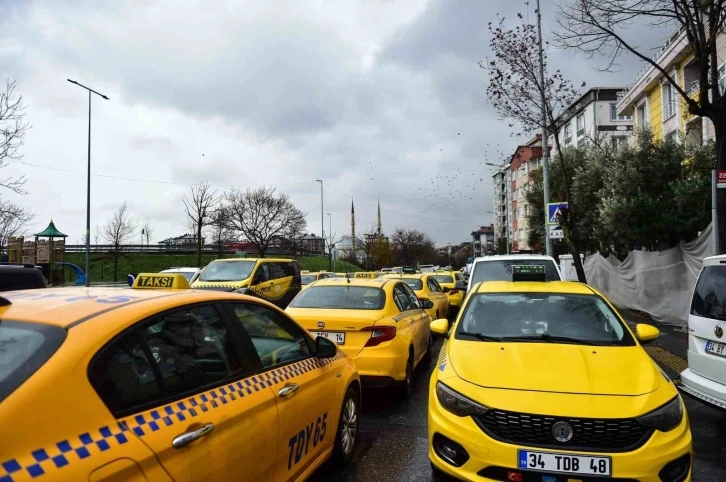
(88, 186)
(322, 218)
(330, 233)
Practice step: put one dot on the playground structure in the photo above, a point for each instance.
(46, 253)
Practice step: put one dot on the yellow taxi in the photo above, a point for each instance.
(274, 280)
(307, 278)
(164, 383)
(447, 280)
(426, 288)
(341, 275)
(380, 323)
(544, 381)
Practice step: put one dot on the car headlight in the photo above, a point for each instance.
(665, 418)
(457, 403)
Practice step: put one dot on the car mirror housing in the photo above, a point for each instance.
(325, 348)
(461, 285)
(646, 333)
(440, 326)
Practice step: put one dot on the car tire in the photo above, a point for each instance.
(405, 388)
(348, 425)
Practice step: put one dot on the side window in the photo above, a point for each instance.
(262, 274)
(403, 302)
(415, 304)
(433, 285)
(275, 271)
(277, 339)
(174, 354)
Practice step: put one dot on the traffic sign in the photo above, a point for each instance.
(721, 179)
(556, 232)
(553, 210)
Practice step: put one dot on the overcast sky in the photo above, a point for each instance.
(381, 99)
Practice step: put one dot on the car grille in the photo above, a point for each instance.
(589, 434)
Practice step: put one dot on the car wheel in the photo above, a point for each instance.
(405, 388)
(347, 428)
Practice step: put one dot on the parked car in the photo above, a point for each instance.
(705, 377)
(16, 276)
(191, 274)
(499, 267)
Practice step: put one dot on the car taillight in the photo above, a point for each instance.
(379, 334)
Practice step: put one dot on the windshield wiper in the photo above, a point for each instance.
(548, 338)
(480, 336)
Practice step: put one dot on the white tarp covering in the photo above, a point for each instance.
(659, 283)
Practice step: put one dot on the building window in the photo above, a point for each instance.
(722, 79)
(614, 114)
(581, 142)
(618, 141)
(669, 101)
(642, 116)
(581, 124)
(568, 132)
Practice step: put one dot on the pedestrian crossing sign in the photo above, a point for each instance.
(553, 211)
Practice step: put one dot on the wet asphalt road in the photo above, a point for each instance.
(393, 444)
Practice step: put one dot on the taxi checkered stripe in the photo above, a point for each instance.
(74, 450)
(442, 356)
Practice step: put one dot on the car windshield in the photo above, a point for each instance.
(443, 278)
(306, 279)
(24, 347)
(501, 269)
(341, 298)
(228, 271)
(542, 317)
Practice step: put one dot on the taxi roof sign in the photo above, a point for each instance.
(160, 281)
(528, 272)
(408, 270)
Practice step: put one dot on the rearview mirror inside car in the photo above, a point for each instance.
(646, 333)
(440, 326)
(325, 348)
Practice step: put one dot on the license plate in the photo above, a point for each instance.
(564, 463)
(716, 348)
(336, 336)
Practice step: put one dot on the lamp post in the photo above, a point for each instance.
(330, 233)
(545, 147)
(88, 185)
(322, 217)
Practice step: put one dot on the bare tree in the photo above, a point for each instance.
(519, 95)
(147, 229)
(599, 28)
(261, 215)
(198, 207)
(218, 229)
(13, 128)
(119, 230)
(13, 220)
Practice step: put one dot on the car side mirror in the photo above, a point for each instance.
(461, 285)
(325, 348)
(440, 326)
(646, 333)
(427, 304)
(446, 289)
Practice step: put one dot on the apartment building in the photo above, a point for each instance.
(501, 204)
(594, 117)
(526, 159)
(653, 102)
(483, 240)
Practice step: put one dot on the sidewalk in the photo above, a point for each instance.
(669, 349)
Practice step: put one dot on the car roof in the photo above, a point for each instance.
(65, 307)
(510, 257)
(564, 287)
(367, 282)
(407, 275)
(277, 260)
(715, 260)
(179, 270)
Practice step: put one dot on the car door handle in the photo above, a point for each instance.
(288, 390)
(186, 438)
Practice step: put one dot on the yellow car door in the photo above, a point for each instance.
(303, 386)
(408, 325)
(420, 323)
(193, 401)
(438, 297)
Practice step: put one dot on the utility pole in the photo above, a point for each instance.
(322, 216)
(545, 148)
(714, 211)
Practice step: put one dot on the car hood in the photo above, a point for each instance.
(551, 367)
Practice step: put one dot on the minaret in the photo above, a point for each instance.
(352, 228)
(379, 231)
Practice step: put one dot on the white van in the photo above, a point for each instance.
(499, 267)
(705, 377)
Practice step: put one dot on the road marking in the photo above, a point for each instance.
(671, 360)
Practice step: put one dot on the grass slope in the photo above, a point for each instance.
(102, 264)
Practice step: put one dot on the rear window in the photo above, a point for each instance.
(709, 298)
(306, 279)
(340, 298)
(501, 270)
(443, 278)
(415, 284)
(542, 317)
(24, 347)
